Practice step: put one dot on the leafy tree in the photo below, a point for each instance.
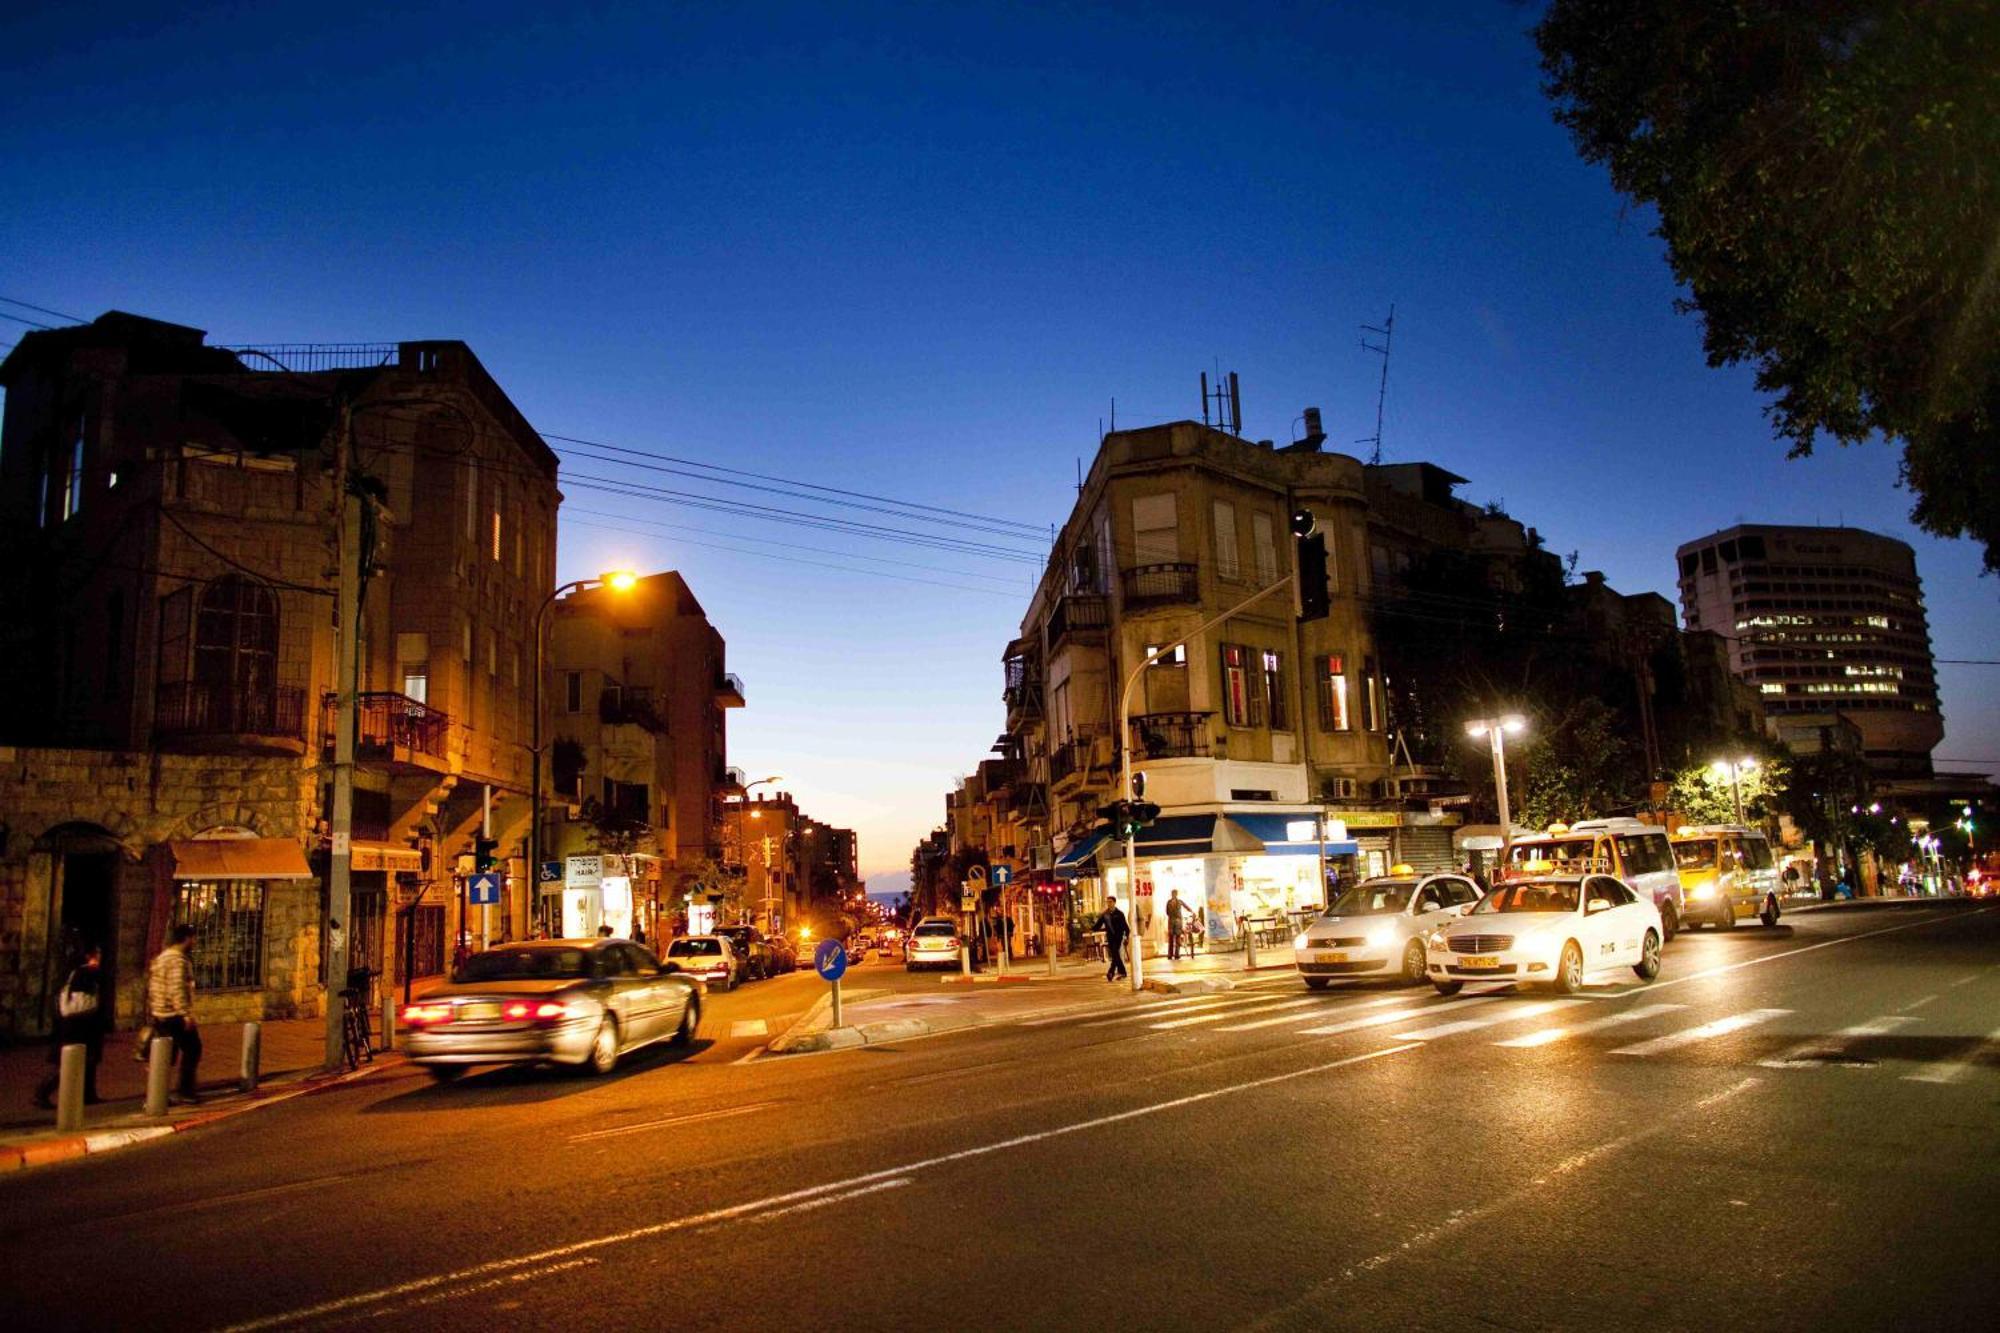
(1581, 764)
(1827, 180)
(1701, 796)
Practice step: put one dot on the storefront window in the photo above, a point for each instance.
(228, 920)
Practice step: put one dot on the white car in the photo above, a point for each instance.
(713, 958)
(1553, 928)
(934, 943)
(1379, 926)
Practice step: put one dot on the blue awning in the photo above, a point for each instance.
(1177, 835)
(1275, 832)
(1075, 861)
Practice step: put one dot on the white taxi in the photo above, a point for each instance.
(1553, 928)
(1378, 927)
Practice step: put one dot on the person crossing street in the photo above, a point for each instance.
(1116, 930)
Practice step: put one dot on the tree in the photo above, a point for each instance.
(1701, 796)
(1827, 180)
(1580, 765)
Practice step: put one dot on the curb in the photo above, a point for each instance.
(23, 1154)
(981, 978)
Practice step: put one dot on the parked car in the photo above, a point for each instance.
(1727, 873)
(1636, 853)
(934, 943)
(784, 955)
(755, 950)
(565, 1002)
(1553, 928)
(713, 958)
(1379, 926)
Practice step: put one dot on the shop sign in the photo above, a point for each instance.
(583, 872)
(1372, 819)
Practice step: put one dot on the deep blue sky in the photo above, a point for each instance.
(918, 250)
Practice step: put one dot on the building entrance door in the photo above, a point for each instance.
(89, 918)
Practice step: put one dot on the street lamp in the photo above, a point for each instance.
(1734, 769)
(618, 580)
(1496, 730)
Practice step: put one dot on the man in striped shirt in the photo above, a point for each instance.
(170, 1002)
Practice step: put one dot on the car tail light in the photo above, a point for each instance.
(548, 1011)
(420, 1015)
(517, 1010)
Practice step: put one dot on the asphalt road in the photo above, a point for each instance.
(1789, 1129)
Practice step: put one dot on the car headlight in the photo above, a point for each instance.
(1381, 937)
(1300, 941)
(1436, 938)
(1704, 890)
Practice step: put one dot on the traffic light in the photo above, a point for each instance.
(1311, 595)
(483, 849)
(1126, 818)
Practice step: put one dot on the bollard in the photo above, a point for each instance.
(964, 958)
(1049, 948)
(1250, 944)
(69, 1088)
(253, 1050)
(159, 1068)
(388, 1017)
(1005, 949)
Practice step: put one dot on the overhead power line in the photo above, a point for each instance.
(42, 310)
(795, 560)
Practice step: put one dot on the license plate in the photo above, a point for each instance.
(474, 1012)
(1329, 958)
(1479, 961)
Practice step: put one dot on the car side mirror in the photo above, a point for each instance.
(1464, 908)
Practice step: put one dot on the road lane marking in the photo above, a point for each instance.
(1545, 1036)
(1293, 1018)
(1950, 1071)
(828, 1199)
(749, 1027)
(1721, 1027)
(1259, 1008)
(379, 1295)
(1920, 1002)
(530, 1275)
(1390, 1016)
(1962, 980)
(1205, 1003)
(1488, 1020)
(1707, 972)
(1140, 1008)
(723, 1114)
(1830, 1049)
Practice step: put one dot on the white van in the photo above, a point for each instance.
(1637, 853)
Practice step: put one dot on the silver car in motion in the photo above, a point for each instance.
(565, 1002)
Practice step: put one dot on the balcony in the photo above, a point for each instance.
(1072, 759)
(1161, 585)
(191, 715)
(1170, 735)
(627, 705)
(1023, 690)
(392, 731)
(729, 690)
(1078, 613)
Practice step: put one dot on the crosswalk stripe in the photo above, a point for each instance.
(1721, 1027)
(1544, 1036)
(1261, 1008)
(1514, 1015)
(1820, 1050)
(1387, 1017)
(1191, 1006)
(1164, 1005)
(1950, 1071)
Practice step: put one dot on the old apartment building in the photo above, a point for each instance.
(167, 653)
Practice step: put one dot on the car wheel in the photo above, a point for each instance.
(690, 1024)
(1670, 920)
(1569, 972)
(1770, 913)
(1725, 919)
(1318, 983)
(603, 1056)
(1648, 965)
(1448, 987)
(1414, 970)
(445, 1073)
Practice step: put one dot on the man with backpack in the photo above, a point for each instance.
(80, 1015)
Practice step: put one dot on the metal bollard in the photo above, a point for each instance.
(159, 1068)
(388, 1017)
(69, 1088)
(964, 958)
(1250, 945)
(1049, 948)
(253, 1050)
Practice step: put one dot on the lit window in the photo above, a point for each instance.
(1333, 707)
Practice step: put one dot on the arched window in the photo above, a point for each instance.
(236, 639)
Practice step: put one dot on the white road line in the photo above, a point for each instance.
(452, 1294)
(1190, 1008)
(1487, 1020)
(734, 1211)
(1387, 1017)
(1707, 972)
(1919, 1002)
(1950, 1071)
(749, 1027)
(1140, 1008)
(1293, 1018)
(1261, 1008)
(1962, 980)
(1721, 1027)
(1545, 1036)
(1820, 1050)
(826, 1199)
(723, 1114)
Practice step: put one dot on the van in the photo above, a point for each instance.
(1635, 852)
(1727, 873)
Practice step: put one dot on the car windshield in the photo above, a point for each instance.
(936, 929)
(1696, 855)
(1375, 898)
(695, 949)
(1569, 854)
(1533, 896)
(526, 965)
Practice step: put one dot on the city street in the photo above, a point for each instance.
(1789, 1128)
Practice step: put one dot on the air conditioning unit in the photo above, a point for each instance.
(1344, 789)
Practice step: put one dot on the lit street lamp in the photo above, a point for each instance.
(1734, 769)
(1496, 730)
(618, 580)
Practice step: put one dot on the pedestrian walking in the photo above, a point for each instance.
(1176, 924)
(1115, 929)
(170, 1003)
(80, 1021)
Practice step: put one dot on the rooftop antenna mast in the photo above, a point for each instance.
(1228, 401)
(1387, 333)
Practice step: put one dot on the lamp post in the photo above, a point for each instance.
(1734, 769)
(618, 580)
(1496, 730)
(754, 814)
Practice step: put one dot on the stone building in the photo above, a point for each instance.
(167, 654)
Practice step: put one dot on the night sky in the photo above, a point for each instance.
(917, 252)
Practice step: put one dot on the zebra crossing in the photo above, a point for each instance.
(1414, 1017)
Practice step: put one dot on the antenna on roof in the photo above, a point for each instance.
(1387, 333)
(1228, 399)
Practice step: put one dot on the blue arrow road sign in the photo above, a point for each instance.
(1002, 876)
(483, 888)
(830, 960)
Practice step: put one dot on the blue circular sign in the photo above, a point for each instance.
(830, 959)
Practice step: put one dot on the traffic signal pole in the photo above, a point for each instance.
(1125, 756)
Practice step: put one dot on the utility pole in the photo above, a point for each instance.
(347, 670)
